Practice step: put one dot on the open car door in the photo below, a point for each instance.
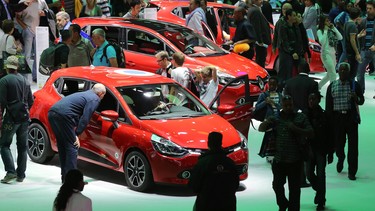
(237, 113)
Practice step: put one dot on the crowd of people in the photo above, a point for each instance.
(295, 123)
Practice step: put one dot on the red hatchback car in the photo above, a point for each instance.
(138, 128)
(141, 39)
(175, 12)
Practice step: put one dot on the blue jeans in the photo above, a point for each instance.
(29, 49)
(367, 57)
(7, 133)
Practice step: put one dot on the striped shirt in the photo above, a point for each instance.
(369, 28)
(341, 95)
(104, 6)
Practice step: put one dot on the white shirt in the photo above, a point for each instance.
(181, 76)
(195, 22)
(78, 202)
(10, 46)
(210, 91)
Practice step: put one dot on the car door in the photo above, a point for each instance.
(97, 143)
(237, 113)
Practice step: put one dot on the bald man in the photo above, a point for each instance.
(68, 119)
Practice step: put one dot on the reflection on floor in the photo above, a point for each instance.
(108, 190)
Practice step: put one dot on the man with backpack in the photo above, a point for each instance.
(104, 54)
(79, 48)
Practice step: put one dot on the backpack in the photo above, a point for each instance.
(47, 60)
(120, 56)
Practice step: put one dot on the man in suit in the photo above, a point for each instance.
(262, 31)
(300, 87)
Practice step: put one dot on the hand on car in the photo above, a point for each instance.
(76, 143)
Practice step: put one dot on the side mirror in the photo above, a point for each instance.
(111, 116)
(225, 109)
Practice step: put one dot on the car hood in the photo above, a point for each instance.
(193, 132)
(242, 65)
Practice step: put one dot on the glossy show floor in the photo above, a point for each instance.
(108, 190)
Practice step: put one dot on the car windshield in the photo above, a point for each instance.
(162, 101)
(191, 43)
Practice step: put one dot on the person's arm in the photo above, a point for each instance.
(30, 98)
(113, 62)
(338, 34)
(9, 45)
(89, 109)
(266, 124)
(329, 101)
(353, 42)
(111, 55)
(19, 21)
(304, 130)
(214, 75)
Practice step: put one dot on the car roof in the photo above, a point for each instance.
(111, 76)
(155, 25)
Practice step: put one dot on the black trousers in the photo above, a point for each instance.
(65, 138)
(261, 55)
(316, 174)
(292, 172)
(346, 125)
(353, 66)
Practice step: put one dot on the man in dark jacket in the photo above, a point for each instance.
(342, 100)
(214, 178)
(68, 119)
(14, 89)
(291, 129)
(321, 149)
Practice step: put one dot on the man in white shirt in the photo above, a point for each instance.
(180, 74)
(209, 84)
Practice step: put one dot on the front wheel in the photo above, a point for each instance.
(137, 171)
(38, 144)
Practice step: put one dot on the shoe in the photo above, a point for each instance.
(352, 177)
(8, 178)
(305, 185)
(19, 179)
(339, 166)
(320, 207)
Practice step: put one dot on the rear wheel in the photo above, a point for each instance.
(137, 171)
(38, 144)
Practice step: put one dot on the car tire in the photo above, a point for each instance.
(137, 172)
(38, 144)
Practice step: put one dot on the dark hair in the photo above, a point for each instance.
(76, 28)
(354, 12)
(72, 181)
(65, 34)
(215, 141)
(274, 78)
(322, 23)
(288, 13)
(371, 2)
(7, 26)
(303, 67)
(134, 3)
(197, 2)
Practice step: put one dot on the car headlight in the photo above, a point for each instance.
(243, 140)
(315, 47)
(225, 78)
(167, 147)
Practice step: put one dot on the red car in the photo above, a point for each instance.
(175, 12)
(141, 39)
(138, 128)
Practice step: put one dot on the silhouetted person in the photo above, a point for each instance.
(214, 178)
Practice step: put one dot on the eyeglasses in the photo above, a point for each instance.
(159, 60)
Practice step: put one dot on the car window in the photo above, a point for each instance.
(162, 101)
(110, 102)
(112, 34)
(143, 42)
(70, 86)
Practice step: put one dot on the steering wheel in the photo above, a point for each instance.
(161, 108)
